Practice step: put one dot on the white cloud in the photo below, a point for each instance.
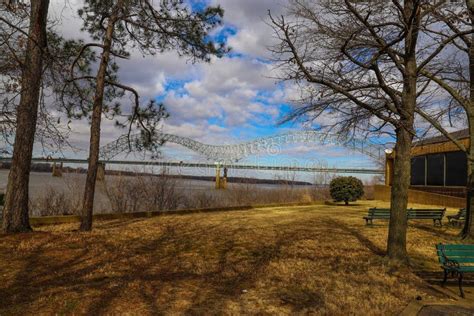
(225, 101)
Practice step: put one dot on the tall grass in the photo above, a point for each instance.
(161, 192)
(157, 193)
(54, 202)
(144, 192)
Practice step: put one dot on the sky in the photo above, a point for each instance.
(229, 100)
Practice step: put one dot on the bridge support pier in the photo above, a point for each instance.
(101, 172)
(218, 176)
(221, 183)
(57, 171)
(224, 179)
(389, 158)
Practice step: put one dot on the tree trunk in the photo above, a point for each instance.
(468, 230)
(15, 213)
(94, 146)
(397, 233)
(396, 247)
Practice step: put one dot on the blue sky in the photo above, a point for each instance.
(229, 100)
(270, 100)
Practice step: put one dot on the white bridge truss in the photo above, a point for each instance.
(226, 154)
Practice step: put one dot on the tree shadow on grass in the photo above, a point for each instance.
(117, 223)
(436, 230)
(360, 237)
(218, 259)
(150, 263)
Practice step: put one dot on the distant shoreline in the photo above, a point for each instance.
(48, 168)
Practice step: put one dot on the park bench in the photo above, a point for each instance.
(384, 213)
(434, 214)
(460, 216)
(456, 260)
(376, 213)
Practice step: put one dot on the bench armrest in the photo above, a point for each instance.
(451, 264)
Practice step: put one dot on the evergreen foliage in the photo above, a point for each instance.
(347, 189)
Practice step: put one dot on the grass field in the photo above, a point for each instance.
(277, 260)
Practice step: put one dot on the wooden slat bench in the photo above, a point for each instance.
(384, 213)
(456, 260)
(460, 216)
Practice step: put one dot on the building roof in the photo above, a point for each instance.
(461, 134)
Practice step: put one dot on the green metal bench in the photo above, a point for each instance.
(456, 260)
(384, 213)
(434, 214)
(460, 216)
(376, 213)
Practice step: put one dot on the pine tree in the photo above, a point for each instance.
(118, 26)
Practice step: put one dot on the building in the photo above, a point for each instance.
(437, 165)
(438, 162)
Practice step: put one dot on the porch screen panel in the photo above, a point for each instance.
(435, 167)
(456, 168)
(418, 170)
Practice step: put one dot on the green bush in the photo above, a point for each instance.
(346, 189)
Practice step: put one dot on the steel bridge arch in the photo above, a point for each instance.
(232, 153)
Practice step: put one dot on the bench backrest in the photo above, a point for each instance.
(411, 213)
(425, 213)
(462, 254)
(379, 213)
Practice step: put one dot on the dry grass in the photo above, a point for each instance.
(309, 259)
(53, 202)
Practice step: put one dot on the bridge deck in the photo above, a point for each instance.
(210, 166)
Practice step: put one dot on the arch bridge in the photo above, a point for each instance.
(231, 153)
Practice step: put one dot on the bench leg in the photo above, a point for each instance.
(445, 277)
(460, 284)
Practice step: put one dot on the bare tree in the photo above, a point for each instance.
(150, 28)
(359, 64)
(453, 72)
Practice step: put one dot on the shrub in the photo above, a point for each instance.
(128, 194)
(346, 189)
(161, 192)
(53, 202)
(125, 194)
